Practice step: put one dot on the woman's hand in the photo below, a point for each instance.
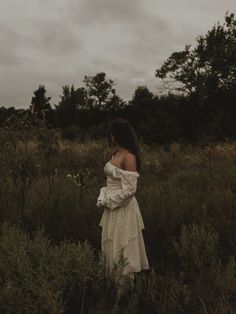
(99, 203)
(101, 197)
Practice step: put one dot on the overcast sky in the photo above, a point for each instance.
(57, 42)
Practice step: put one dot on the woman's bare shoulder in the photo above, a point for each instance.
(129, 162)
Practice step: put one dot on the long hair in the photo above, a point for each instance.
(125, 136)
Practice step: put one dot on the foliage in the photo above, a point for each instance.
(38, 277)
(40, 104)
(186, 196)
(208, 67)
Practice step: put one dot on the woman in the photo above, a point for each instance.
(122, 222)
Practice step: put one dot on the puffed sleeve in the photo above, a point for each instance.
(101, 197)
(122, 196)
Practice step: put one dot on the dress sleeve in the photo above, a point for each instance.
(122, 196)
(101, 197)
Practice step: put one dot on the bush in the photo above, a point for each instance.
(72, 132)
(38, 277)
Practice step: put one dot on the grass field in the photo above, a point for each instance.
(50, 239)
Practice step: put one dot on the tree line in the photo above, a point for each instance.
(199, 103)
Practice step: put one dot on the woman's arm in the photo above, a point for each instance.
(123, 196)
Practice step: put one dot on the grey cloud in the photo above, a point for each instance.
(9, 55)
(90, 11)
(57, 42)
(55, 37)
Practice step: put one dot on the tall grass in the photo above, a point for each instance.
(187, 199)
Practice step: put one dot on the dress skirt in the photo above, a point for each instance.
(122, 237)
(134, 254)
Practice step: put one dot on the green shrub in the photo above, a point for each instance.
(197, 246)
(38, 277)
(212, 281)
(72, 132)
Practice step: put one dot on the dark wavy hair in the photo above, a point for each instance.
(125, 136)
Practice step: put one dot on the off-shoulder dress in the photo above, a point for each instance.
(122, 222)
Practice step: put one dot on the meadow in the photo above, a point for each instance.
(50, 258)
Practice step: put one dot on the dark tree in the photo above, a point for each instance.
(102, 94)
(66, 110)
(39, 101)
(207, 75)
(40, 105)
(143, 103)
(208, 67)
(5, 113)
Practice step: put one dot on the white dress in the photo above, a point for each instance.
(122, 222)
